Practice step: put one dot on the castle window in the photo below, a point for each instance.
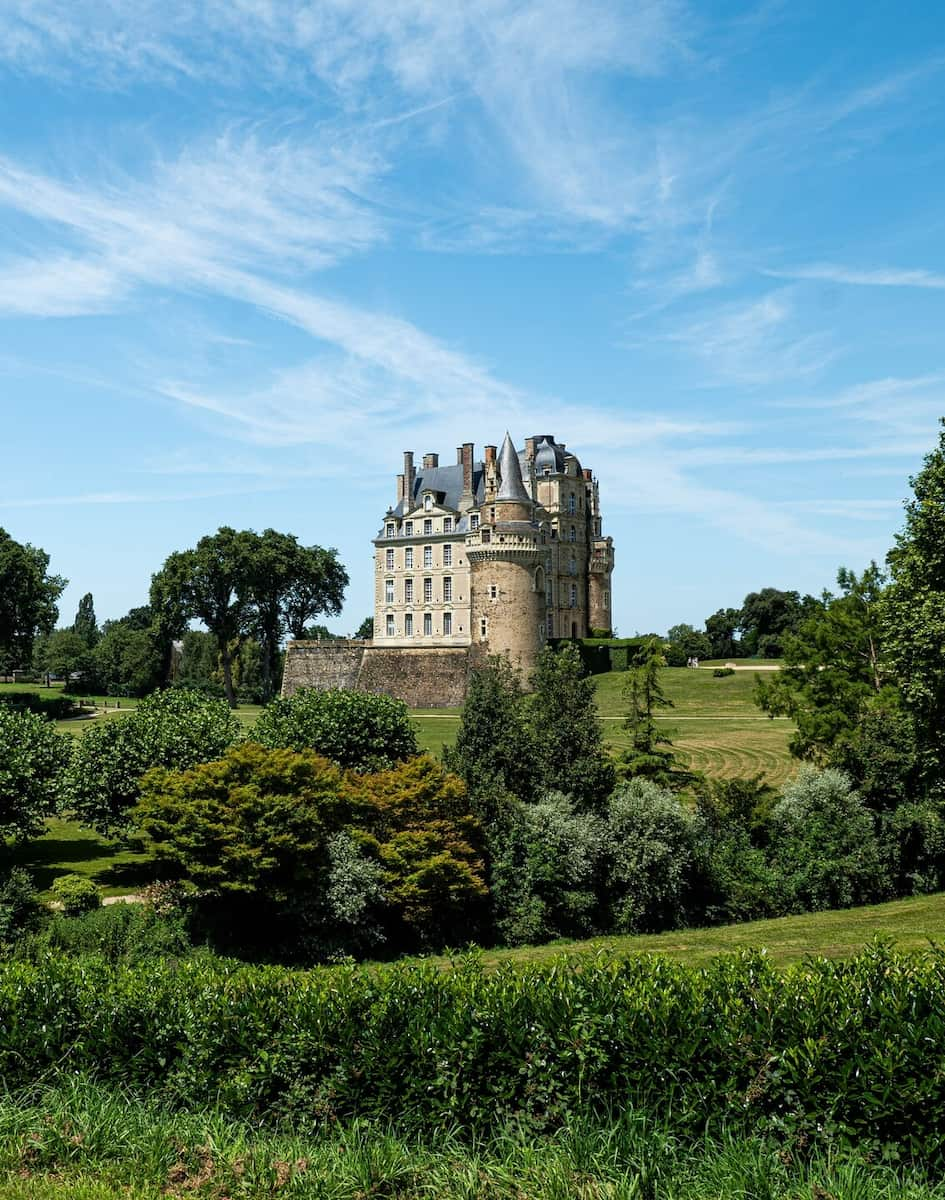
(389, 560)
(572, 567)
(388, 591)
(447, 588)
(572, 504)
(408, 591)
(427, 527)
(427, 624)
(493, 592)
(474, 521)
(554, 532)
(541, 629)
(447, 556)
(391, 630)
(606, 599)
(428, 591)
(428, 556)
(408, 624)
(408, 528)
(447, 623)
(390, 528)
(484, 628)
(408, 557)
(428, 503)
(487, 535)
(492, 515)
(573, 534)
(573, 597)
(447, 524)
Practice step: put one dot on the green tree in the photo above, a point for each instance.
(34, 759)
(85, 625)
(720, 630)
(65, 654)
(354, 729)
(175, 729)
(650, 752)
(565, 729)
(127, 661)
(691, 643)
(316, 588)
(766, 616)
(913, 615)
(28, 595)
(824, 847)
(837, 688)
(212, 584)
(277, 565)
(493, 752)
(365, 629)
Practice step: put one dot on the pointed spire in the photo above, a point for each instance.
(511, 487)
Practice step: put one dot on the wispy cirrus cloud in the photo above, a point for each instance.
(869, 277)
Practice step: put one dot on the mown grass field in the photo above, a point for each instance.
(713, 724)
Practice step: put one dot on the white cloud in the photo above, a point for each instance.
(877, 277)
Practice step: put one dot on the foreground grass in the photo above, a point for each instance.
(83, 1142)
(907, 924)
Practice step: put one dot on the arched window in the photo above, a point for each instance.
(539, 580)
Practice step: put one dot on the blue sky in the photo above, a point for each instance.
(252, 250)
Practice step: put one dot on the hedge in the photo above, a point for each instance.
(852, 1049)
(55, 708)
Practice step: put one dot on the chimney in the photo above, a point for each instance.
(530, 450)
(490, 454)
(467, 459)
(410, 475)
(430, 460)
(459, 456)
(588, 474)
(400, 488)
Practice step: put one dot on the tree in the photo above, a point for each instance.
(354, 729)
(85, 626)
(277, 563)
(720, 630)
(652, 840)
(127, 661)
(28, 595)
(836, 686)
(565, 729)
(650, 752)
(493, 752)
(212, 583)
(175, 729)
(767, 615)
(33, 762)
(65, 654)
(366, 629)
(823, 844)
(913, 615)
(317, 587)
(691, 643)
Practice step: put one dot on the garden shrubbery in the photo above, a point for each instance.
(825, 1049)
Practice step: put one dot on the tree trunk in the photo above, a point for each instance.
(226, 661)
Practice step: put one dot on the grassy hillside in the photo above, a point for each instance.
(713, 724)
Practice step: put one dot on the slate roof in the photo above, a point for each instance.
(447, 482)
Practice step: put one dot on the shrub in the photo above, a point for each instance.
(130, 933)
(823, 844)
(545, 863)
(913, 840)
(353, 729)
(175, 729)
(33, 762)
(54, 708)
(722, 672)
(20, 911)
(76, 894)
(844, 1050)
(651, 838)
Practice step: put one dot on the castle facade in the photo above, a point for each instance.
(499, 554)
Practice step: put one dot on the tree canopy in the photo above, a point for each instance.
(28, 596)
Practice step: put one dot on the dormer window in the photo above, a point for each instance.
(474, 521)
(428, 503)
(390, 528)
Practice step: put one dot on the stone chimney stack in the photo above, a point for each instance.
(530, 450)
(491, 452)
(459, 456)
(431, 460)
(400, 488)
(410, 476)
(466, 499)
(588, 474)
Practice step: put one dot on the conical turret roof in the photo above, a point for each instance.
(511, 487)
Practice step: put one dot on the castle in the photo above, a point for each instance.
(475, 558)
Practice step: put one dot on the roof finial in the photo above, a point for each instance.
(511, 487)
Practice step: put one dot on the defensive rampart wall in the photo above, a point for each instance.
(425, 677)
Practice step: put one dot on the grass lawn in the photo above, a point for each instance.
(68, 849)
(714, 724)
(910, 924)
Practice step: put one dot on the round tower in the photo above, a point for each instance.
(507, 578)
(599, 609)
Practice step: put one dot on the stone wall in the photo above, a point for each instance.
(423, 677)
